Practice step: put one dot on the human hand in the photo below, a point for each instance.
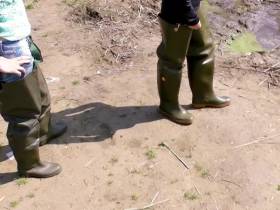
(196, 27)
(14, 65)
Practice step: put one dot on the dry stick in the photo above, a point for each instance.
(150, 205)
(197, 189)
(231, 182)
(2, 198)
(180, 159)
(275, 65)
(263, 81)
(155, 197)
(256, 141)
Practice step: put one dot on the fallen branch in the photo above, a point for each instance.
(177, 156)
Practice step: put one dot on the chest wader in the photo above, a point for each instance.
(24, 106)
(179, 43)
(48, 129)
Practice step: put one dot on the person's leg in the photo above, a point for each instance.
(171, 54)
(48, 129)
(200, 59)
(20, 106)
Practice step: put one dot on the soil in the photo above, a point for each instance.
(100, 64)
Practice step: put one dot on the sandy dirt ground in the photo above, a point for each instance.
(111, 156)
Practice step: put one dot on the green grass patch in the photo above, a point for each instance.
(245, 43)
(30, 195)
(190, 196)
(30, 4)
(134, 197)
(76, 82)
(21, 181)
(151, 154)
(204, 173)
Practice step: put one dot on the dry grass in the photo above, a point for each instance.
(119, 23)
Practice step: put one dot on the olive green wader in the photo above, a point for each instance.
(178, 43)
(25, 105)
(48, 129)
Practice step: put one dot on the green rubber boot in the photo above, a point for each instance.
(20, 106)
(200, 59)
(24, 141)
(48, 130)
(171, 53)
(168, 86)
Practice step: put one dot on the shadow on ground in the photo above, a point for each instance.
(96, 122)
(92, 122)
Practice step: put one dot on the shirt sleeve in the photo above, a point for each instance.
(189, 14)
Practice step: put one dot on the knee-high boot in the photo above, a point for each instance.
(200, 59)
(171, 53)
(20, 106)
(48, 129)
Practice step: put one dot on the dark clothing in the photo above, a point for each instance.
(180, 11)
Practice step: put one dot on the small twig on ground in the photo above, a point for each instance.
(231, 182)
(89, 163)
(197, 190)
(149, 206)
(262, 81)
(275, 65)
(256, 141)
(177, 156)
(155, 197)
(275, 48)
(216, 204)
(2, 198)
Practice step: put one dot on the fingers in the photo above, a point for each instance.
(19, 71)
(197, 26)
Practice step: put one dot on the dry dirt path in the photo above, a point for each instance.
(113, 124)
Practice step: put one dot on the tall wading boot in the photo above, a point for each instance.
(169, 82)
(23, 139)
(200, 59)
(20, 106)
(48, 130)
(171, 53)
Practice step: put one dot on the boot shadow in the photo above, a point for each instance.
(96, 122)
(3, 153)
(8, 177)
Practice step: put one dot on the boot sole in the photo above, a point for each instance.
(201, 106)
(169, 117)
(26, 175)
